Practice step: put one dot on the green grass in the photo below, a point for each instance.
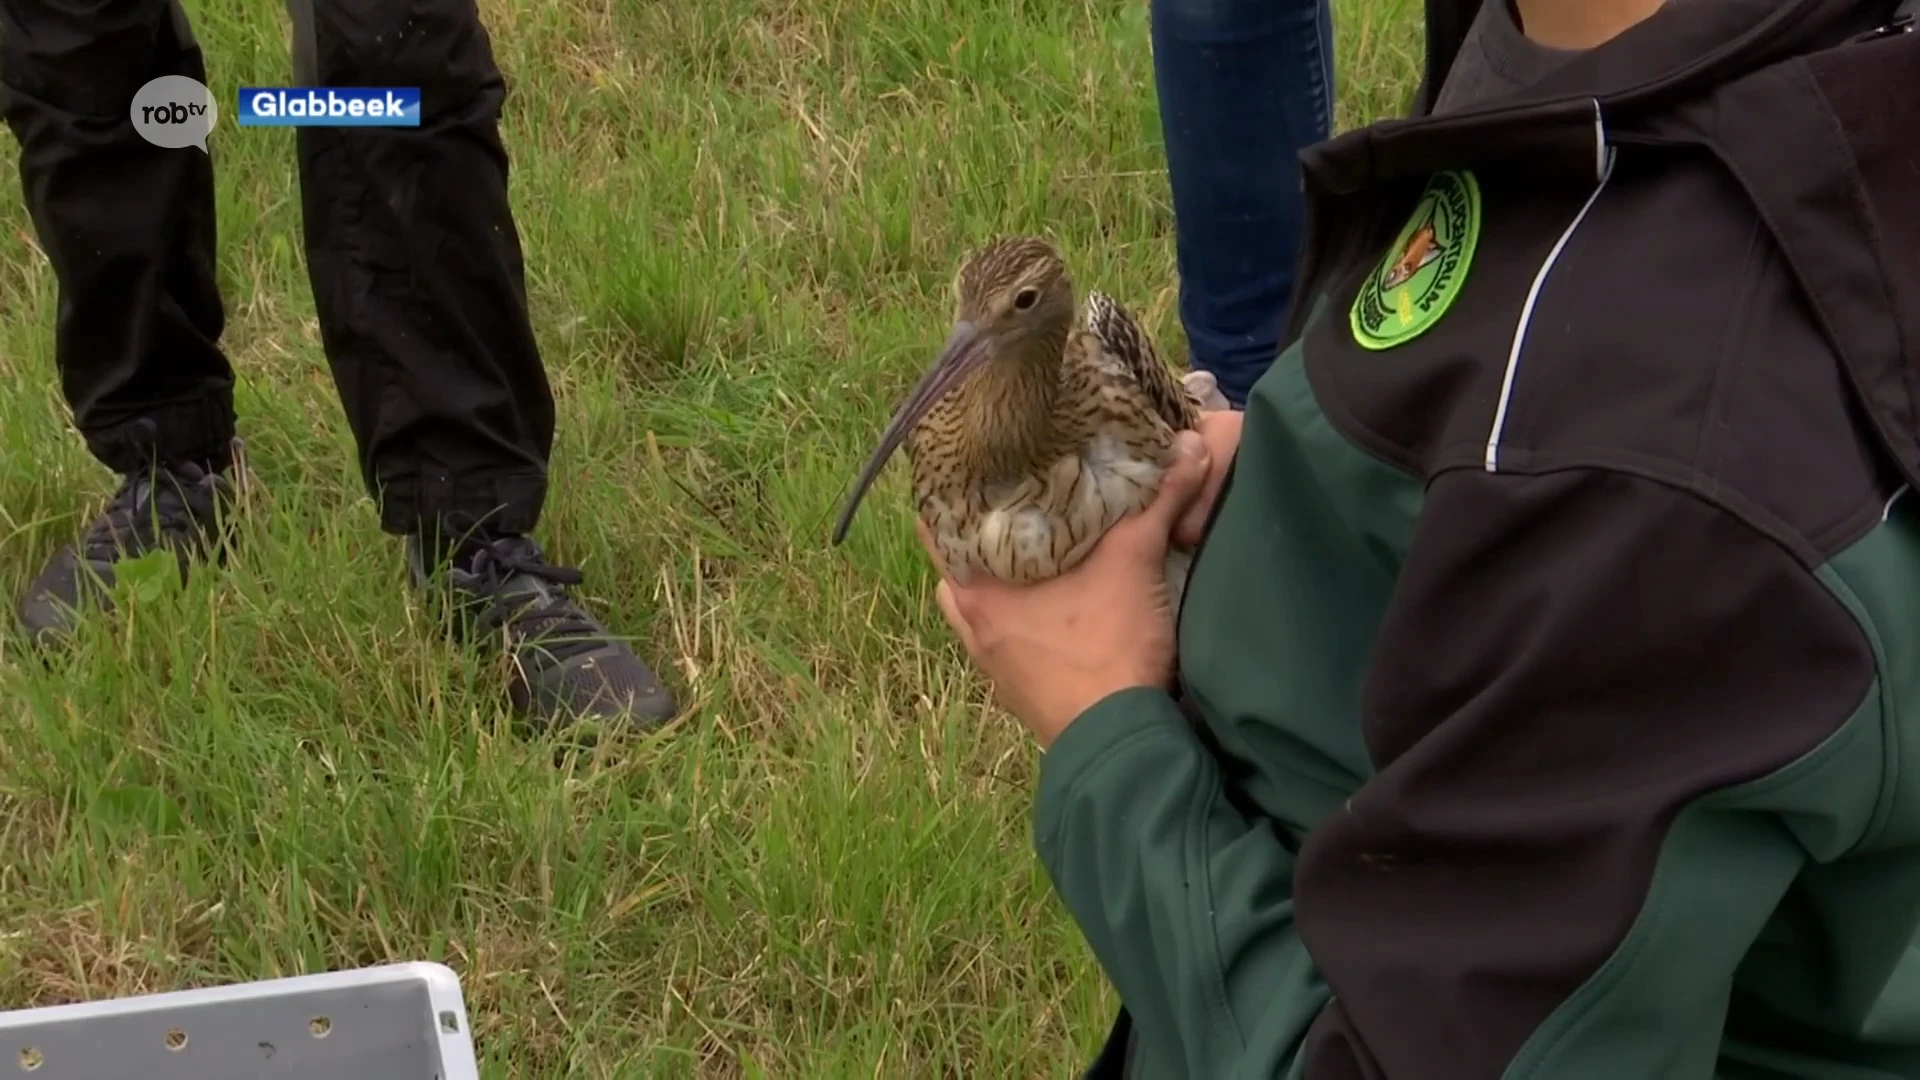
(740, 217)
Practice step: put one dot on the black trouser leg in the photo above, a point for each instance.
(417, 272)
(128, 227)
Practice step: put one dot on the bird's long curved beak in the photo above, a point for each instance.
(964, 351)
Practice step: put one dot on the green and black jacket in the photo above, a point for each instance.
(1550, 692)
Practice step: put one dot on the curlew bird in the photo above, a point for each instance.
(1040, 424)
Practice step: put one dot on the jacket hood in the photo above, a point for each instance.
(1686, 45)
(1684, 53)
(1827, 148)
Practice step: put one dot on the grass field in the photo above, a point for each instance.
(741, 217)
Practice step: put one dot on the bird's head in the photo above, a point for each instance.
(1013, 306)
(1010, 296)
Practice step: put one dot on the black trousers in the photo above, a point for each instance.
(411, 249)
(1116, 1058)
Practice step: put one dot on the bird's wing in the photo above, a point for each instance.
(1128, 346)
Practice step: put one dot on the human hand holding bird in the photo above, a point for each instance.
(1055, 648)
(1044, 432)
(1221, 432)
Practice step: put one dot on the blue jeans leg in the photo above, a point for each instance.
(1243, 85)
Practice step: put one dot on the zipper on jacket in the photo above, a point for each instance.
(1603, 155)
(1902, 22)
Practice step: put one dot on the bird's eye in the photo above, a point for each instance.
(1026, 298)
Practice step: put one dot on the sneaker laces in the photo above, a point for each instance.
(543, 615)
(170, 501)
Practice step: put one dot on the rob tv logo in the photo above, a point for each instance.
(329, 106)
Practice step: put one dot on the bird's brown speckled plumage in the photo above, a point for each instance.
(1060, 427)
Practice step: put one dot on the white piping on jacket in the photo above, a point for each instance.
(1603, 169)
(1886, 511)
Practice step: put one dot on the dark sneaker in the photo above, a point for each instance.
(181, 508)
(567, 666)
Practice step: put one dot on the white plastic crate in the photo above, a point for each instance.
(394, 1022)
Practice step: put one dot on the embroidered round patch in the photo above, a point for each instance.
(1425, 267)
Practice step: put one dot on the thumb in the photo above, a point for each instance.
(1151, 530)
(1148, 533)
(950, 607)
(1182, 481)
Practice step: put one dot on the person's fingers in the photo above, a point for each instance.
(1144, 536)
(943, 595)
(1223, 439)
(926, 541)
(1181, 482)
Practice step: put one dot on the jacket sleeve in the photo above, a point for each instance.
(1582, 709)
(1134, 827)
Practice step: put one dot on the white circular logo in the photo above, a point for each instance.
(174, 111)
